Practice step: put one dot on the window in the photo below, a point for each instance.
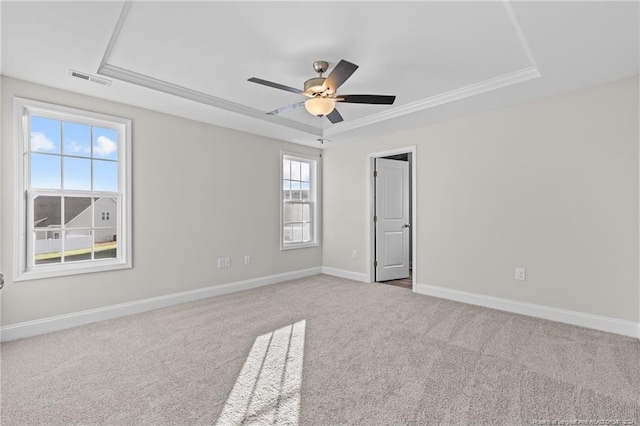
(299, 226)
(74, 199)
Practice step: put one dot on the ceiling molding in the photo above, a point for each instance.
(474, 89)
(116, 32)
(516, 26)
(143, 80)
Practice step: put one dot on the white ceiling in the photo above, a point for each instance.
(442, 60)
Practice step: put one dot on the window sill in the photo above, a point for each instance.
(61, 271)
(298, 246)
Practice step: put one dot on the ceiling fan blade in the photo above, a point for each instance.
(339, 75)
(274, 85)
(368, 99)
(286, 108)
(335, 117)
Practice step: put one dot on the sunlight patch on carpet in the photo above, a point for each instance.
(267, 390)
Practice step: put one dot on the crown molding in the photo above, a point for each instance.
(518, 29)
(126, 7)
(474, 89)
(484, 86)
(149, 82)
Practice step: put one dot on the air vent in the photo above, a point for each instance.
(89, 77)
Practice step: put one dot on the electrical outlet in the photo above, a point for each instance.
(354, 254)
(247, 260)
(227, 262)
(221, 262)
(521, 274)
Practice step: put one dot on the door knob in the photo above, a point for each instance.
(406, 225)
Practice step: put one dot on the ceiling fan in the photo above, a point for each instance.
(321, 92)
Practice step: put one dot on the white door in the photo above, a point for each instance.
(392, 219)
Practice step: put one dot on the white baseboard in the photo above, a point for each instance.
(597, 322)
(350, 275)
(61, 322)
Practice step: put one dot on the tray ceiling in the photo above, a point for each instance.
(194, 58)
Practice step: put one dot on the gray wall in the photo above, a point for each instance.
(199, 192)
(550, 185)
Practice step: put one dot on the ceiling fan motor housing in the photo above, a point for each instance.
(313, 86)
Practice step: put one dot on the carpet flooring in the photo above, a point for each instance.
(373, 354)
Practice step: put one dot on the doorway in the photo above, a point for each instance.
(392, 189)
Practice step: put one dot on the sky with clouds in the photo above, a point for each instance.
(76, 156)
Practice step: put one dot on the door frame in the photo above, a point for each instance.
(371, 209)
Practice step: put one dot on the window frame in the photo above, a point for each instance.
(24, 269)
(314, 191)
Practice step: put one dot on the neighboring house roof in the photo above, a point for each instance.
(47, 210)
(38, 222)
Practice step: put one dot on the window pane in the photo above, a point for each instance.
(286, 169)
(106, 210)
(296, 235)
(77, 139)
(295, 170)
(46, 249)
(105, 143)
(306, 232)
(105, 175)
(45, 135)
(77, 173)
(305, 172)
(45, 171)
(296, 213)
(77, 245)
(287, 233)
(304, 190)
(306, 213)
(287, 213)
(47, 211)
(286, 186)
(77, 212)
(105, 245)
(295, 190)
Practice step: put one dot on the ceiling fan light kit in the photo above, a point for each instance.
(322, 92)
(320, 106)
